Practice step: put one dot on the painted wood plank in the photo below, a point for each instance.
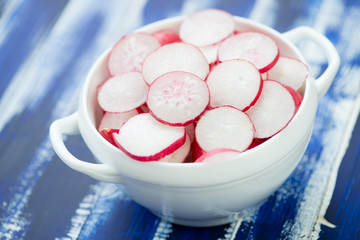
(41, 198)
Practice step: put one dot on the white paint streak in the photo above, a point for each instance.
(265, 11)
(344, 112)
(94, 209)
(191, 6)
(32, 82)
(163, 231)
(5, 24)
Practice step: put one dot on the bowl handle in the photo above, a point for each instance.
(69, 125)
(323, 82)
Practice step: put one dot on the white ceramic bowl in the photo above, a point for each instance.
(200, 194)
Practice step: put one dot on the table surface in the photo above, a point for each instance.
(46, 50)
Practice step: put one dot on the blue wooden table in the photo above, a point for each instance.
(46, 50)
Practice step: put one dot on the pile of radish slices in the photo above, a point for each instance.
(203, 93)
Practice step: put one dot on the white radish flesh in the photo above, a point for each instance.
(224, 127)
(206, 27)
(175, 57)
(115, 120)
(218, 154)
(178, 98)
(144, 138)
(123, 92)
(236, 83)
(180, 155)
(273, 110)
(255, 47)
(289, 71)
(129, 52)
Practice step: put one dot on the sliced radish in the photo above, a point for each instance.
(289, 71)
(178, 98)
(236, 83)
(252, 46)
(123, 92)
(224, 127)
(167, 36)
(218, 154)
(273, 110)
(116, 120)
(107, 133)
(143, 108)
(210, 53)
(180, 154)
(256, 142)
(265, 75)
(144, 138)
(207, 27)
(196, 151)
(190, 130)
(128, 54)
(296, 96)
(175, 57)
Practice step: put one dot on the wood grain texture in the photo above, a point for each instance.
(46, 50)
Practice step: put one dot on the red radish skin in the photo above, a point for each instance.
(144, 138)
(257, 141)
(196, 151)
(296, 96)
(190, 130)
(180, 155)
(273, 110)
(218, 154)
(167, 36)
(224, 127)
(107, 133)
(255, 47)
(115, 120)
(123, 93)
(206, 27)
(289, 71)
(143, 108)
(129, 52)
(237, 83)
(175, 57)
(178, 98)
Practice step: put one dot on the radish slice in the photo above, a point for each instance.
(175, 57)
(116, 120)
(273, 110)
(128, 54)
(206, 27)
(265, 75)
(289, 71)
(107, 133)
(144, 138)
(123, 93)
(178, 98)
(190, 130)
(236, 83)
(252, 46)
(210, 53)
(167, 36)
(224, 127)
(218, 154)
(256, 142)
(296, 96)
(180, 155)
